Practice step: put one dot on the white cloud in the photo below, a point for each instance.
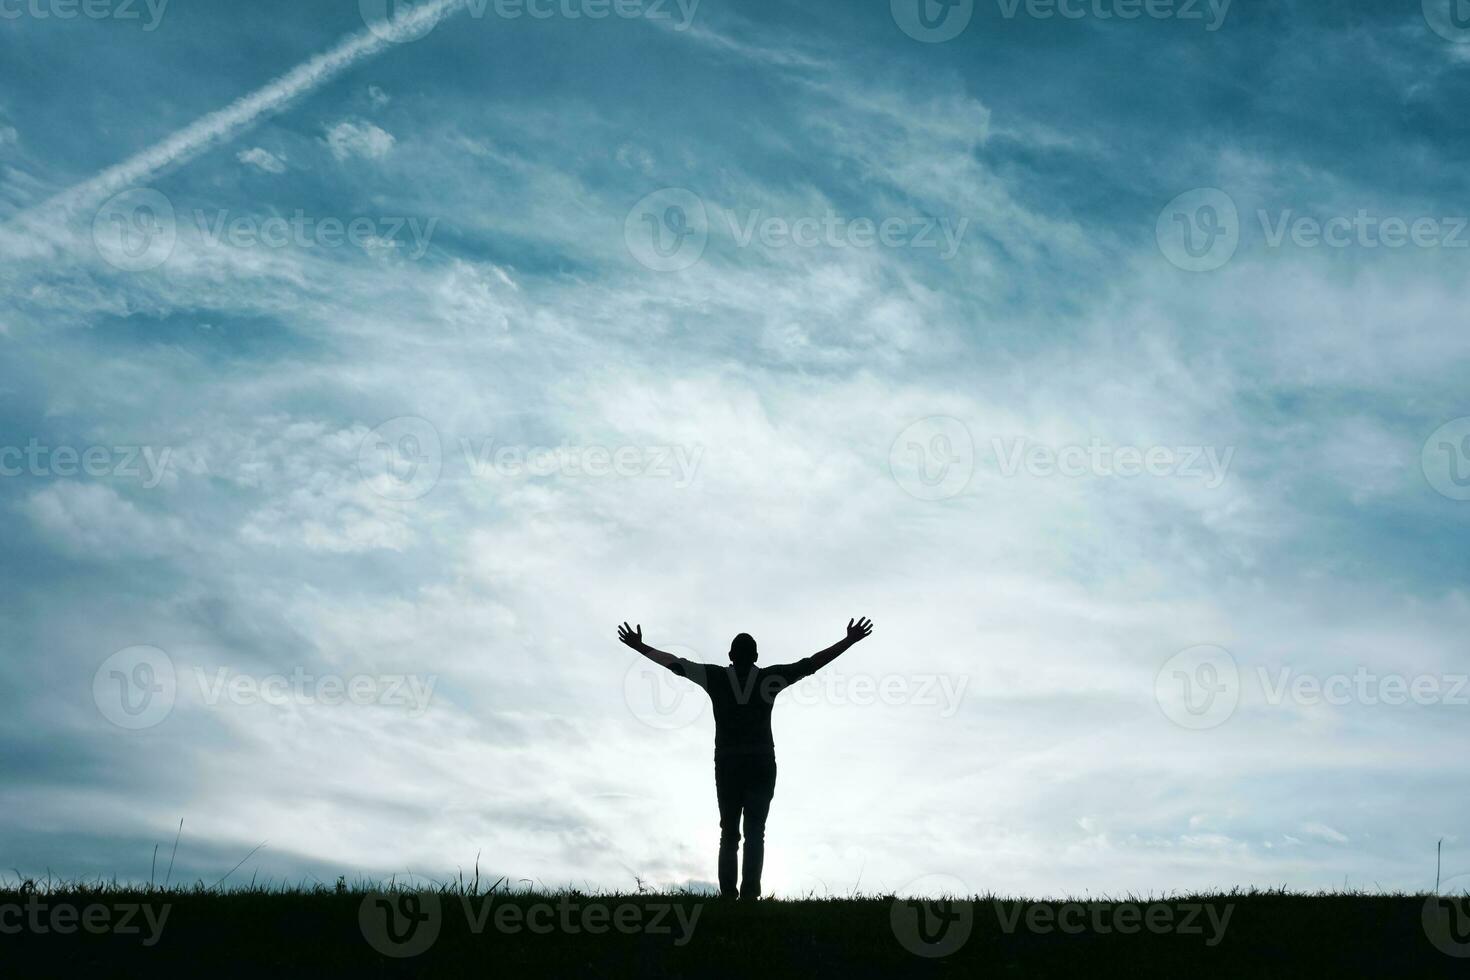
(358, 138)
(91, 521)
(262, 159)
(635, 158)
(1324, 832)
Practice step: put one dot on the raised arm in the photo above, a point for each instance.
(855, 631)
(633, 637)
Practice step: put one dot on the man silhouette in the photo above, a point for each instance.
(745, 753)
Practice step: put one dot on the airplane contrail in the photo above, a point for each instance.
(222, 124)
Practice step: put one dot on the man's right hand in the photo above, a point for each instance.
(856, 631)
(631, 637)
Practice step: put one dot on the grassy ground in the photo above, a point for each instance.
(106, 931)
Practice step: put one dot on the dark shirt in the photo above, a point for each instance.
(742, 698)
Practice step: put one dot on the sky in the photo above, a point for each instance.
(362, 367)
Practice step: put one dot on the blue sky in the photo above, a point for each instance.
(386, 381)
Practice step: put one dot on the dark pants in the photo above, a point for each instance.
(743, 784)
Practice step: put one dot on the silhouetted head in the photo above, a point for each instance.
(742, 650)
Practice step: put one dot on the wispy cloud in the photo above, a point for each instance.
(262, 159)
(224, 124)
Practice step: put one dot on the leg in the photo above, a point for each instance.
(757, 804)
(727, 791)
